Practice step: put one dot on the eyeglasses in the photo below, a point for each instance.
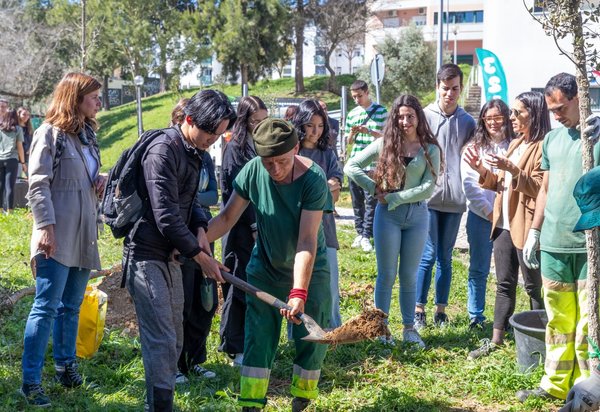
(515, 112)
(493, 119)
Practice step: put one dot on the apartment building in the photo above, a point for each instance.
(463, 31)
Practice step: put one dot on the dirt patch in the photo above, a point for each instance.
(368, 325)
(121, 312)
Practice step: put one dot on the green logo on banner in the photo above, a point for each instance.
(494, 80)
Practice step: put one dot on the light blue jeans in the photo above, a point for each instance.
(399, 235)
(336, 318)
(443, 229)
(59, 292)
(480, 256)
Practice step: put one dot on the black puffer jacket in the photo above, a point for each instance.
(171, 174)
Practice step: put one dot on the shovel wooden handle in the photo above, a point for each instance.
(254, 291)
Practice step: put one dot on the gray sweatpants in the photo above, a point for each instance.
(157, 291)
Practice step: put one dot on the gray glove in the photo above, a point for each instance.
(532, 244)
(584, 396)
(592, 127)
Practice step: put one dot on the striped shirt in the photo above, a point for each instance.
(356, 117)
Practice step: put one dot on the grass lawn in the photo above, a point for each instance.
(357, 377)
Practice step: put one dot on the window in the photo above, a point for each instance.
(356, 53)
(419, 20)
(595, 98)
(320, 70)
(474, 16)
(391, 22)
(338, 70)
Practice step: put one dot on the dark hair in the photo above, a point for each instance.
(359, 85)
(178, 115)
(28, 126)
(539, 117)
(565, 82)
(9, 121)
(246, 108)
(449, 71)
(481, 137)
(389, 173)
(307, 109)
(290, 112)
(208, 108)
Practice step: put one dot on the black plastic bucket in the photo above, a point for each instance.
(530, 332)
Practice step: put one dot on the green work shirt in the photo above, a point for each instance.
(278, 208)
(561, 157)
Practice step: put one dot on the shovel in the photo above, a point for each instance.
(315, 333)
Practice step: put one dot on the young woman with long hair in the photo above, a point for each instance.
(312, 127)
(24, 116)
(408, 163)
(516, 177)
(492, 135)
(64, 189)
(240, 241)
(11, 155)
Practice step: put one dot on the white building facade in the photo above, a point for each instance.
(529, 57)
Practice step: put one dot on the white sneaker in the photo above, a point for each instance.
(238, 360)
(365, 243)
(202, 372)
(356, 242)
(412, 336)
(180, 378)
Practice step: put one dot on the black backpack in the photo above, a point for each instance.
(125, 196)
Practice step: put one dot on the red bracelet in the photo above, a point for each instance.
(298, 293)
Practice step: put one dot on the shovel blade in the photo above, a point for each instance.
(315, 332)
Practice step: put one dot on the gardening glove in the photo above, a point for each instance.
(584, 396)
(592, 127)
(532, 244)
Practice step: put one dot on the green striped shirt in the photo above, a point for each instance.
(356, 117)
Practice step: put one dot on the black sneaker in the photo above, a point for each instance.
(538, 393)
(476, 324)
(420, 321)
(299, 404)
(34, 393)
(440, 319)
(68, 376)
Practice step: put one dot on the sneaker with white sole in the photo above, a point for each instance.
(412, 336)
(180, 378)
(420, 321)
(237, 360)
(486, 347)
(386, 340)
(356, 241)
(365, 243)
(202, 372)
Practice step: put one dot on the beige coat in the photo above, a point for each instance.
(525, 187)
(66, 199)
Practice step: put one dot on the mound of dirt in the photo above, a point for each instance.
(121, 312)
(368, 325)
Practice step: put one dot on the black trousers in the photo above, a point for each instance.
(237, 253)
(364, 210)
(8, 177)
(196, 318)
(508, 260)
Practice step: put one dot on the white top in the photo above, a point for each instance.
(90, 161)
(515, 157)
(480, 201)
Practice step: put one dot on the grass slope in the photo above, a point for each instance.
(359, 377)
(119, 125)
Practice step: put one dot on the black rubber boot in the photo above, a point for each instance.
(299, 404)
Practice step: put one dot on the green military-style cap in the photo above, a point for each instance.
(274, 137)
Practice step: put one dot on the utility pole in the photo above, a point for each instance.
(440, 42)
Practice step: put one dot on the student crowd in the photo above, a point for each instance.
(412, 172)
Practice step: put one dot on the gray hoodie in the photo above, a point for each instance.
(452, 133)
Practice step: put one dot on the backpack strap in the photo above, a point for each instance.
(59, 138)
(370, 114)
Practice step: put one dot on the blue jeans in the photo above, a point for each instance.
(480, 256)
(363, 205)
(399, 234)
(443, 228)
(336, 318)
(59, 292)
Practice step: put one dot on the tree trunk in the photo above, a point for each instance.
(331, 83)
(105, 99)
(299, 47)
(593, 245)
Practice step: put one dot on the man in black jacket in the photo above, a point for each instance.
(172, 224)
